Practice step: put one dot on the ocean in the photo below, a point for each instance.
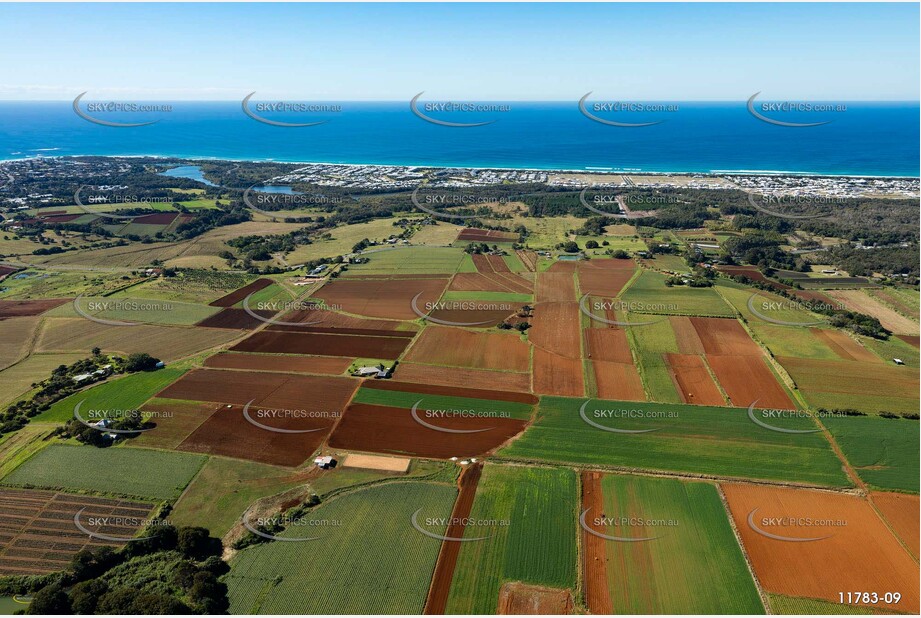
(866, 139)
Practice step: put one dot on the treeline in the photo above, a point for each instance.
(886, 260)
(168, 570)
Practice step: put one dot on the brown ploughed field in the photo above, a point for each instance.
(748, 378)
(845, 347)
(686, 335)
(594, 550)
(383, 429)
(440, 588)
(618, 381)
(322, 344)
(451, 391)
(439, 345)
(382, 298)
(325, 365)
(914, 340)
(724, 336)
(237, 295)
(557, 375)
(477, 235)
(605, 277)
(235, 318)
(474, 378)
(856, 551)
(317, 317)
(608, 344)
(557, 285)
(556, 328)
(24, 308)
(476, 318)
(901, 511)
(693, 381)
(478, 282)
(228, 433)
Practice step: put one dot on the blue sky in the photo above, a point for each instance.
(461, 51)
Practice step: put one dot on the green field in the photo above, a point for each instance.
(194, 285)
(143, 310)
(125, 394)
(536, 546)
(650, 292)
(885, 452)
(372, 562)
(651, 342)
(695, 439)
(783, 605)
(117, 470)
(693, 565)
(224, 489)
(17, 380)
(399, 399)
(412, 261)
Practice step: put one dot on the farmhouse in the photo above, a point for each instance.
(325, 462)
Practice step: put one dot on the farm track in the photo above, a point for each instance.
(440, 588)
(594, 552)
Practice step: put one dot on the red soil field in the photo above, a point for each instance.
(859, 553)
(693, 381)
(453, 391)
(473, 378)
(498, 264)
(914, 340)
(844, 346)
(557, 375)
(21, 308)
(477, 235)
(281, 390)
(228, 433)
(619, 381)
(160, 218)
(383, 429)
(901, 511)
(594, 554)
(335, 330)
(439, 345)
(686, 335)
(604, 277)
(440, 588)
(554, 286)
(55, 218)
(494, 268)
(556, 328)
(37, 531)
(748, 378)
(237, 295)
(234, 318)
(327, 365)
(321, 344)
(478, 318)
(6, 270)
(355, 275)
(608, 344)
(175, 421)
(382, 298)
(724, 336)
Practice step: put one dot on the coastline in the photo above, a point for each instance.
(584, 170)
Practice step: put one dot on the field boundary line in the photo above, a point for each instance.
(765, 600)
(689, 476)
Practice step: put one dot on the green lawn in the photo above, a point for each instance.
(885, 452)
(510, 297)
(119, 470)
(651, 342)
(537, 544)
(693, 565)
(399, 399)
(117, 393)
(410, 261)
(367, 559)
(695, 439)
(124, 308)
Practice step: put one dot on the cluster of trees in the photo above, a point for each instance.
(762, 249)
(274, 527)
(61, 384)
(176, 571)
(859, 323)
(886, 260)
(476, 248)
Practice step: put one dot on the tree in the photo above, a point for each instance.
(197, 544)
(141, 361)
(50, 600)
(570, 246)
(592, 244)
(84, 597)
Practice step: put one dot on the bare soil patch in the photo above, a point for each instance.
(237, 295)
(594, 554)
(608, 344)
(382, 298)
(322, 344)
(605, 277)
(693, 381)
(747, 379)
(618, 381)
(518, 599)
(325, 365)
(724, 336)
(556, 328)
(438, 345)
(557, 375)
(23, 308)
(473, 378)
(901, 511)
